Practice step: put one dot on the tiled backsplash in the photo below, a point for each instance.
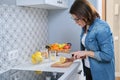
(23, 30)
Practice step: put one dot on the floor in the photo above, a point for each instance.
(117, 78)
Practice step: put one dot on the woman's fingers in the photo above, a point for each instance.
(76, 55)
(79, 55)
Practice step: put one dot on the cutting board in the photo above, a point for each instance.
(61, 65)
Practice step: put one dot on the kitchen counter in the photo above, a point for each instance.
(70, 72)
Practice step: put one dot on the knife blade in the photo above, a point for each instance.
(66, 55)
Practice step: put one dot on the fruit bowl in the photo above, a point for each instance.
(63, 50)
(64, 47)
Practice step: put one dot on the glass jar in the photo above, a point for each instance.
(52, 55)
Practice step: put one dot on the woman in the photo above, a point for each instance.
(97, 50)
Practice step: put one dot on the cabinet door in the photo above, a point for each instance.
(63, 3)
(47, 4)
(28, 2)
(52, 2)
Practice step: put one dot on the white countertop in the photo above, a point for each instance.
(46, 66)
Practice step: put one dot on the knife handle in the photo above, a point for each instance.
(72, 55)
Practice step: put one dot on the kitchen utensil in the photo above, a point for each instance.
(66, 55)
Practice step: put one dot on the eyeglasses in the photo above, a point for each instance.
(76, 19)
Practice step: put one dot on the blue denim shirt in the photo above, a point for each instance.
(99, 40)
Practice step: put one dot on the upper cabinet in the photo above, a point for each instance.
(46, 4)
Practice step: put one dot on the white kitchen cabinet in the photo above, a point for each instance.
(59, 3)
(46, 4)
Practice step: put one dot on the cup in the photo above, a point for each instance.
(52, 55)
(44, 53)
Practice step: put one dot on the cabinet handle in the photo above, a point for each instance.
(79, 72)
(60, 2)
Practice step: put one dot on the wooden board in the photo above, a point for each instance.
(61, 65)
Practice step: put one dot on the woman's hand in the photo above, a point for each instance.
(82, 54)
(79, 55)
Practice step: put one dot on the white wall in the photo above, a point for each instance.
(63, 29)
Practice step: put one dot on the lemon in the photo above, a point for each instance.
(33, 56)
(38, 53)
(36, 57)
(62, 59)
(38, 72)
(39, 58)
(34, 61)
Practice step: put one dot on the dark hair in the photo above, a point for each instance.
(84, 10)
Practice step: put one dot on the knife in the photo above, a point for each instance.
(66, 55)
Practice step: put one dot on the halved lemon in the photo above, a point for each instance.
(62, 59)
